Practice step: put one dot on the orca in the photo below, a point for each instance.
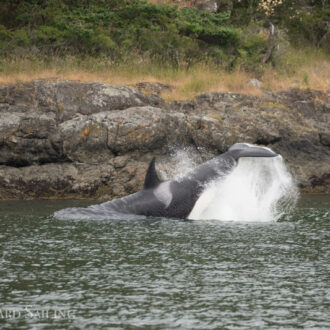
(176, 198)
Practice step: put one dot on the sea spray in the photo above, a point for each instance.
(258, 189)
(180, 162)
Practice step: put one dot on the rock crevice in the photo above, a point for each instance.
(63, 139)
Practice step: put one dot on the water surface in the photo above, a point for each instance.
(163, 273)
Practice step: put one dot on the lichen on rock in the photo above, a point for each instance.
(64, 139)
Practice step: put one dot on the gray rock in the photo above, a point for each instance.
(66, 99)
(27, 138)
(325, 138)
(85, 140)
(80, 140)
(255, 83)
(153, 88)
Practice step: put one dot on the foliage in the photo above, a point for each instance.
(310, 27)
(118, 29)
(306, 21)
(251, 51)
(122, 30)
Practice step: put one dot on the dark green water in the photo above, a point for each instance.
(163, 274)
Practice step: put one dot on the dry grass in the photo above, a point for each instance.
(311, 72)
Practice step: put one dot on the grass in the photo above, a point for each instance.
(302, 69)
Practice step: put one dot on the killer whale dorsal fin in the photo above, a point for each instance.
(152, 180)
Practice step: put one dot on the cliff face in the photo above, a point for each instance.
(61, 139)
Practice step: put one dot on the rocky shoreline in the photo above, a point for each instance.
(65, 139)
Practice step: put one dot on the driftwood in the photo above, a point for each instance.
(271, 44)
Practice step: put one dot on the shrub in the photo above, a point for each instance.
(310, 27)
(124, 29)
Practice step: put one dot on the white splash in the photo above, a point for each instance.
(258, 189)
(179, 164)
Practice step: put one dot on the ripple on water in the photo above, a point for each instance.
(166, 274)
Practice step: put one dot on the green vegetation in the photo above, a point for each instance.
(120, 31)
(96, 35)
(305, 21)
(124, 30)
